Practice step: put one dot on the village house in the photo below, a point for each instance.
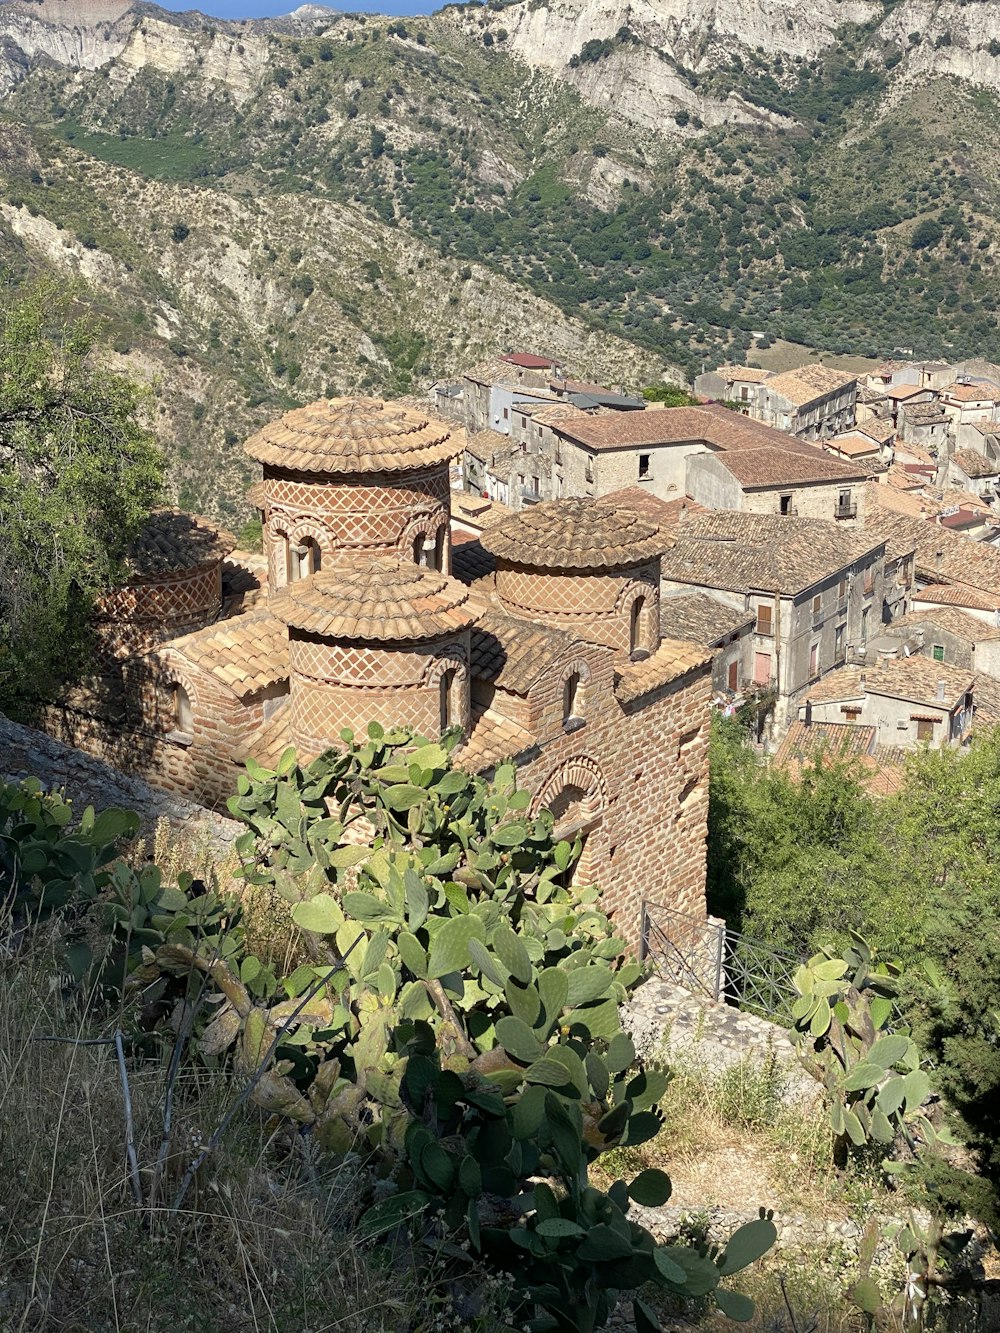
(971, 470)
(949, 567)
(910, 701)
(925, 424)
(981, 435)
(550, 653)
(813, 402)
(777, 479)
(726, 632)
(816, 591)
(966, 401)
(853, 446)
(949, 634)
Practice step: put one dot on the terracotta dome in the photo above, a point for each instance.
(575, 534)
(354, 435)
(376, 599)
(171, 541)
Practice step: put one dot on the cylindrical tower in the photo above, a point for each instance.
(174, 584)
(584, 566)
(375, 638)
(353, 474)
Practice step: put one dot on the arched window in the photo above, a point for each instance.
(182, 717)
(637, 627)
(283, 559)
(446, 699)
(440, 548)
(572, 702)
(308, 556)
(419, 550)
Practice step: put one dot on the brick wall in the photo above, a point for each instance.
(133, 618)
(638, 781)
(370, 513)
(338, 685)
(598, 606)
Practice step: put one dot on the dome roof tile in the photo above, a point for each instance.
(575, 534)
(374, 599)
(354, 435)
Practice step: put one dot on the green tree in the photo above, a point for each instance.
(671, 395)
(79, 472)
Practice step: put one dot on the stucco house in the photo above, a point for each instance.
(816, 591)
(813, 402)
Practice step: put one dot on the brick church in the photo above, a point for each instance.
(541, 640)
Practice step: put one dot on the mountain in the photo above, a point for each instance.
(269, 209)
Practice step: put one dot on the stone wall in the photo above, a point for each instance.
(86, 780)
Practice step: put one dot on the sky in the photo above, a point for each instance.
(256, 9)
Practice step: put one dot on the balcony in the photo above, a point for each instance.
(529, 496)
(845, 510)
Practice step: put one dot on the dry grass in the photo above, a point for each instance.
(263, 1242)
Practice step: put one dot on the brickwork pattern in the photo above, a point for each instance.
(595, 606)
(187, 598)
(334, 686)
(371, 513)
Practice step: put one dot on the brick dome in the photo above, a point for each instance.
(375, 638)
(575, 534)
(353, 435)
(171, 542)
(375, 599)
(583, 566)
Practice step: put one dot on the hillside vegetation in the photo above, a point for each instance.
(270, 212)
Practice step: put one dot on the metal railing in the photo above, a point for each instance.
(707, 958)
(846, 511)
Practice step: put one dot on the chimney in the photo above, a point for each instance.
(808, 719)
(939, 693)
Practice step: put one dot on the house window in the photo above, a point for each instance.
(764, 619)
(851, 714)
(813, 659)
(180, 702)
(817, 604)
(506, 414)
(784, 504)
(925, 729)
(864, 625)
(446, 699)
(761, 668)
(841, 590)
(643, 466)
(938, 652)
(838, 643)
(744, 394)
(439, 548)
(588, 472)
(419, 550)
(733, 676)
(869, 580)
(534, 485)
(571, 700)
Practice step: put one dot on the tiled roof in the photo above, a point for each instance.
(879, 429)
(469, 561)
(984, 427)
(741, 551)
(171, 541)
(477, 508)
(746, 374)
(776, 465)
(914, 679)
(556, 413)
(923, 414)
(666, 513)
(529, 360)
(942, 556)
(974, 463)
(900, 392)
(374, 599)
(853, 444)
(354, 435)
(513, 653)
(575, 533)
(492, 739)
(256, 493)
(808, 383)
(247, 653)
(674, 658)
(958, 594)
(831, 739)
(972, 393)
(891, 497)
(950, 618)
(699, 618)
(482, 444)
(716, 425)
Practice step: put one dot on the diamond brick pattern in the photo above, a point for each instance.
(350, 664)
(174, 601)
(320, 712)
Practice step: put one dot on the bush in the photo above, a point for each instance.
(179, 232)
